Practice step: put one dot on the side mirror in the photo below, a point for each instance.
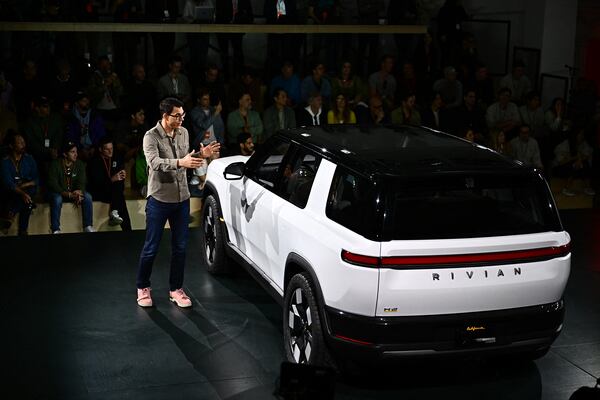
(234, 171)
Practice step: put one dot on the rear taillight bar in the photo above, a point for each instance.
(502, 257)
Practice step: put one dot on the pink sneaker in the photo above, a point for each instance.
(180, 298)
(143, 297)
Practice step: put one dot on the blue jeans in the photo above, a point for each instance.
(157, 214)
(56, 202)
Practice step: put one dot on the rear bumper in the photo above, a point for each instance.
(483, 333)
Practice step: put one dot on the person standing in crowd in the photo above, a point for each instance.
(66, 182)
(106, 183)
(19, 179)
(232, 12)
(167, 152)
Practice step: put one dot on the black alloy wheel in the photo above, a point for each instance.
(303, 334)
(213, 240)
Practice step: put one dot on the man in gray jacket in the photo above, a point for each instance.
(167, 151)
(279, 115)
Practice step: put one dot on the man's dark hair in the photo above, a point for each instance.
(242, 137)
(532, 95)
(105, 140)
(166, 105)
(278, 90)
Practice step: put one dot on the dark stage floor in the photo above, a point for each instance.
(72, 330)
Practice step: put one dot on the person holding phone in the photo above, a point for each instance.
(167, 151)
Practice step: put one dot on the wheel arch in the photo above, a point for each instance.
(296, 264)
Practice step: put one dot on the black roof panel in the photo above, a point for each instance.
(400, 150)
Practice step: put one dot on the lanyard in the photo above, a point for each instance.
(68, 175)
(107, 165)
(17, 165)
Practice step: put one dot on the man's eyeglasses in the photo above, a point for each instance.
(178, 116)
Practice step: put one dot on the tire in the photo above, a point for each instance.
(303, 338)
(212, 242)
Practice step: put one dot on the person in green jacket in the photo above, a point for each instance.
(66, 183)
(244, 119)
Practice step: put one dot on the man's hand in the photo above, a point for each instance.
(119, 176)
(189, 161)
(210, 149)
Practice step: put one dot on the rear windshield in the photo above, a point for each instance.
(468, 206)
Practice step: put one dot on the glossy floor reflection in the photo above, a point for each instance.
(72, 330)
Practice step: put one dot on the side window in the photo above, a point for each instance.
(267, 169)
(298, 177)
(352, 203)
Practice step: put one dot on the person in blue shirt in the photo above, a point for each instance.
(20, 181)
(288, 81)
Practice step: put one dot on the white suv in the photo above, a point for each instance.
(392, 242)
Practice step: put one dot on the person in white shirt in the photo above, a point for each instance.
(526, 149)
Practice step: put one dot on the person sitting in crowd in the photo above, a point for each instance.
(105, 90)
(407, 112)
(174, 83)
(140, 92)
(484, 86)
(341, 113)
(27, 86)
(348, 84)
(232, 12)
(44, 133)
(63, 88)
(212, 79)
(206, 127)
(468, 134)
(130, 132)
(526, 149)
(205, 121)
(531, 113)
(313, 114)
(554, 117)
(316, 82)
(573, 160)
(383, 83)
(503, 115)
(518, 83)
(374, 114)
(449, 88)
(499, 143)
(245, 144)
(86, 127)
(244, 119)
(434, 116)
(279, 115)
(248, 82)
(288, 81)
(20, 182)
(468, 115)
(66, 183)
(106, 183)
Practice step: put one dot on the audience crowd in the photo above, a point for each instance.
(71, 129)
